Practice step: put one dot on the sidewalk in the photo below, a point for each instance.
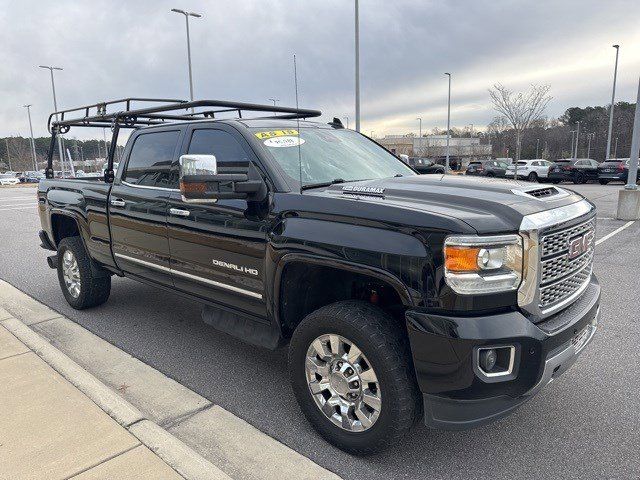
(51, 430)
(72, 405)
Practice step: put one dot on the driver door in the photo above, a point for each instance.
(218, 249)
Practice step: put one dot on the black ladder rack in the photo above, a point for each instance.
(123, 115)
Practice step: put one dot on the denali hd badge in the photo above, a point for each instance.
(580, 245)
(233, 266)
(363, 190)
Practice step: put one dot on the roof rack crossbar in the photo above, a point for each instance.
(96, 115)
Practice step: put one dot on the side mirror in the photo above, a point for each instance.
(200, 181)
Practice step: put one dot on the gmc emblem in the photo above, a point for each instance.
(580, 245)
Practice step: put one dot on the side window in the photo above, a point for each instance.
(228, 151)
(150, 160)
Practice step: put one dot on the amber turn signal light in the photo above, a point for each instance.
(461, 259)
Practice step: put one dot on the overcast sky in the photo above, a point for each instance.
(242, 50)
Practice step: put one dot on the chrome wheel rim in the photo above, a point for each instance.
(343, 383)
(71, 273)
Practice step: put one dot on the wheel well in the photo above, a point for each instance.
(63, 226)
(305, 287)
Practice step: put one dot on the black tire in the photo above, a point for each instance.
(491, 174)
(384, 344)
(555, 182)
(532, 177)
(603, 182)
(579, 178)
(95, 283)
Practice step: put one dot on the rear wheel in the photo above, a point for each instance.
(532, 177)
(83, 285)
(352, 375)
(579, 178)
(603, 182)
(555, 182)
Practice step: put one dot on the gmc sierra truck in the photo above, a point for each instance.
(400, 296)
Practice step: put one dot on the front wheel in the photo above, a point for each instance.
(532, 177)
(83, 285)
(603, 182)
(352, 374)
(579, 178)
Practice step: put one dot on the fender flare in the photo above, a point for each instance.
(400, 288)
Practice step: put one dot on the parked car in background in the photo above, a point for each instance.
(614, 170)
(487, 168)
(8, 179)
(31, 177)
(576, 170)
(531, 170)
(425, 165)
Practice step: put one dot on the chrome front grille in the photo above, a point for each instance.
(562, 276)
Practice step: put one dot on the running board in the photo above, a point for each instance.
(242, 328)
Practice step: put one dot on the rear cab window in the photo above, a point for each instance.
(150, 160)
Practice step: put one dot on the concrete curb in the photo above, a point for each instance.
(180, 457)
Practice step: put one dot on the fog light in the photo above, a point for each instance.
(495, 363)
(488, 359)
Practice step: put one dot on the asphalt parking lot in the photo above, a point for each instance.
(584, 425)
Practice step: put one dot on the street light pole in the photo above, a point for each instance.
(446, 164)
(186, 17)
(589, 144)
(613, 100)
(635, 146)
(55, 108)
(357, 33)
(346, 117)
(33, 144)
(572, 132)
(274, 100)
(615, 149)
(419, 136)
(577, 139)
(537, 146)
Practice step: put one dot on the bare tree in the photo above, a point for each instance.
(521, 110)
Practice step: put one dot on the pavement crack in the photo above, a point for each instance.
(172, 422)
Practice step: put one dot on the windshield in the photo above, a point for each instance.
(325, 155)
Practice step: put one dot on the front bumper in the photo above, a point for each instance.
(456, 397)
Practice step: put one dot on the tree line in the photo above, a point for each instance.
(554, 137)
(15, 152)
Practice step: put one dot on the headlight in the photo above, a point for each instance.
(474, 265)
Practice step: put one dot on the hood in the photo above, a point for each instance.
(486, 204)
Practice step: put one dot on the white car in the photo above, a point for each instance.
(8, 179)
(531, 170)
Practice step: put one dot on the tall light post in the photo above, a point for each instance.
(186, 17)
(372, 132)
(635, 146)
(613, 101)
(572, 132)
(55, 108)
(615, 148)
(346, 117)
(33, 144)
(575, 155)
(274, 100)
(446, 164)
(537, 146)
(357, 33)
(419, 136)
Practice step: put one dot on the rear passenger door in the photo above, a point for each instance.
(218, 249)
(138, 205)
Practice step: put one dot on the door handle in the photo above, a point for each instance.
(179, 212)
(117, 202)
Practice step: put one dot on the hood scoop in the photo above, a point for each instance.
(542, 193)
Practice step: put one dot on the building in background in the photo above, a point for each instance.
(462, 150)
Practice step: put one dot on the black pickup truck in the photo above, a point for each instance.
(400, 296)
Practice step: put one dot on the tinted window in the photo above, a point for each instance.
(150, 160)
(227, 150)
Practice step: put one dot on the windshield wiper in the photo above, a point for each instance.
(322, 184)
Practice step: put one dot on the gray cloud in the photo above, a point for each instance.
(242, 50)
